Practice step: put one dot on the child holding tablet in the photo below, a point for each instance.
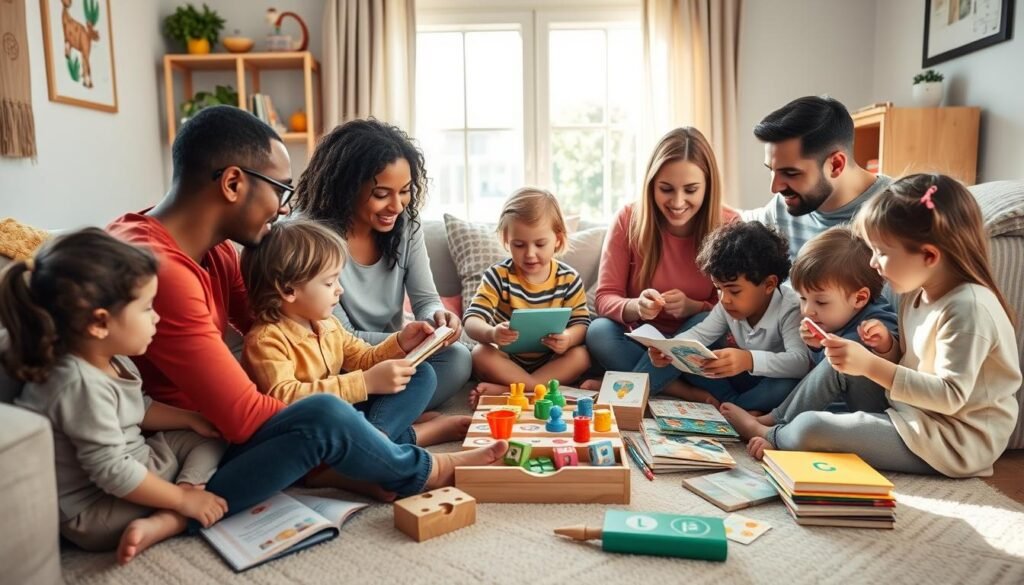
(532, 227)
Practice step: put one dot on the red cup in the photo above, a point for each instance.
(500, 422)
(581, 429)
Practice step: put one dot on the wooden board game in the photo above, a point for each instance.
(584, 483)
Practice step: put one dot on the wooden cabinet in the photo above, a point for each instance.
(918, 140)
(247, 68)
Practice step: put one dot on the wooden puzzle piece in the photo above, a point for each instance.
(518, 453)
(434, 513)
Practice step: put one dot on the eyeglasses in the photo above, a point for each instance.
(285, 191)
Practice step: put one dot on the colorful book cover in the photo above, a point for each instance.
(678, 417)
(678, 447)
(732, 490)
(804, 471)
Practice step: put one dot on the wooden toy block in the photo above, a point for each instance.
(626, 393)
(565, 457)
(602, 453)
(518, 453)
(435, 513)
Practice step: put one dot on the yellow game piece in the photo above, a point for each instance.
(539, 392)
(518, 396)
(602, 420)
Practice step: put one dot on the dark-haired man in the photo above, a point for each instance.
(816, 181)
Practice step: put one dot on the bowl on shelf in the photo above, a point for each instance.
(238, 44)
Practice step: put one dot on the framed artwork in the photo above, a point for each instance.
(79, 47)
(956, 27)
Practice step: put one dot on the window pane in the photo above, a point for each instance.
(624, 185)
(446, 169)
(494, 79)
(495, 170)
(625, 59)
(577, 171)
(439, 75)
(577, 76)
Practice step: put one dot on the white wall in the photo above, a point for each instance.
(92, 166)
(990, 78)
(793, 48)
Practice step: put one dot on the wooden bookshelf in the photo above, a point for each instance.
(247, 68)
(918, 140)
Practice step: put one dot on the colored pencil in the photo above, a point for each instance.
(637, 459)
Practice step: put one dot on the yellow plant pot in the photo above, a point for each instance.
(198, 46)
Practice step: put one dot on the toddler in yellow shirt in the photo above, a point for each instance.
(298, 348)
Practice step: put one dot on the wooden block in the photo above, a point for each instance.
(435, 513)
(518, 453)
(627, 394)
(565, 457)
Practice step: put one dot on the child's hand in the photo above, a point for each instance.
(810, 340)
(556, 342)
(388, 377)
(730, 361)
(203, 427)
(876, 336)
(675, 303)
(848, 357)
(658, 357)
(413, 334)
(205, 507)
(649, 304)
(502, 335)
(449, 319)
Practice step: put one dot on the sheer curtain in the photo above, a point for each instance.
(690, 53)
(369, 61)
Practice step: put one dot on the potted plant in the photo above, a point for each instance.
(222, 95)
(195, 30)
(928, 89)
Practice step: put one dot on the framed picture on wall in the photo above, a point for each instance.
(79, 47)
(956, 27)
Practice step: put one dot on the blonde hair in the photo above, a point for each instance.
(838, 257)
(292, 254)
(681, 144)
(934, 210)
(531, 205)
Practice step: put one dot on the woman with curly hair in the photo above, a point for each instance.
(367, 181)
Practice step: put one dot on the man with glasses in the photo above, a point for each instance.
(231, 181)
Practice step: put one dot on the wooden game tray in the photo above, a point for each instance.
(584, 483)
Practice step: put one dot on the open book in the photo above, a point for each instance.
(430, 345)
(686, 355)
(277, 527)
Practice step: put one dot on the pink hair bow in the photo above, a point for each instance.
(926, 199)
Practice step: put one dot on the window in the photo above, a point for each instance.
(499, 107)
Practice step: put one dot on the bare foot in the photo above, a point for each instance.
(485, 388)
(145, 532)
(428, 416)
(441, 429)
(590, 385)
(745, 423)
(442, 473)
(756, 447)
(333, 479)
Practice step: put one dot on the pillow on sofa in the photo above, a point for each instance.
(475, 247)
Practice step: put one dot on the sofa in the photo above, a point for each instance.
(27, 481)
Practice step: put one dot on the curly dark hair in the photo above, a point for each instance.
(344, 160)
(749, 249)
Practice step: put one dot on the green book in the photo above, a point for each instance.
(671, 535)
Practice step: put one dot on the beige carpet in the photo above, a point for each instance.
(947, 532)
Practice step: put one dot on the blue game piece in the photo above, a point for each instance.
(555, 424)
(585, 407)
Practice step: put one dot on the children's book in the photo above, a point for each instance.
(678, 417)
(731, 490)
(277, 527)
(831, 473)
(533, 325)
(688, 452)
(430, 345)
(687, 356)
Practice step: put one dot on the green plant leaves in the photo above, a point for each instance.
(222, 95)
(188, 22)
(92, 11)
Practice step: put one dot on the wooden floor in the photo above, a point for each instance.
(1009, 475)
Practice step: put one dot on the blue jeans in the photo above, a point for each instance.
(395, 413)
(453, 366)
(609, 346)
(746, 391)
(318, 429)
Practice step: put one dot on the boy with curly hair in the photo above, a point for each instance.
(746, 262)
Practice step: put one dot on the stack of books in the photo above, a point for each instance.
(831, 489)
(691, 419)
(664, 453)
(262, 107)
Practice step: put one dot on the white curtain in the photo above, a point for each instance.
(369, 61)
(690, 53)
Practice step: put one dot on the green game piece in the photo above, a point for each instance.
(554, 395)
(518, 454)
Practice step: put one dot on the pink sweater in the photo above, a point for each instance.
(620, 267)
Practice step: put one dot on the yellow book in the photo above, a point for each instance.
(830, 473)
